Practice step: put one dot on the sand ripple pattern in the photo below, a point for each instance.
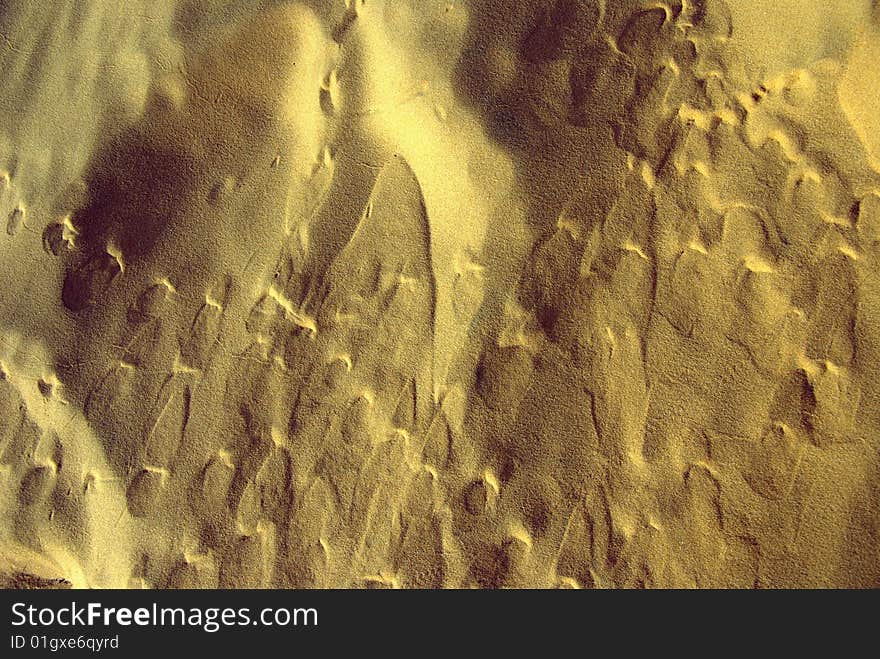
(423, 294)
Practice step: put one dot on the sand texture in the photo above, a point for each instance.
(423, 293)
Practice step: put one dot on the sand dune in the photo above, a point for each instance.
(422, 294)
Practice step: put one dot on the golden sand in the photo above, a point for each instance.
(422, 293)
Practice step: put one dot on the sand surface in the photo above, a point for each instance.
(422, 293)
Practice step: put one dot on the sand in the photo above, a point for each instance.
(422, 294)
